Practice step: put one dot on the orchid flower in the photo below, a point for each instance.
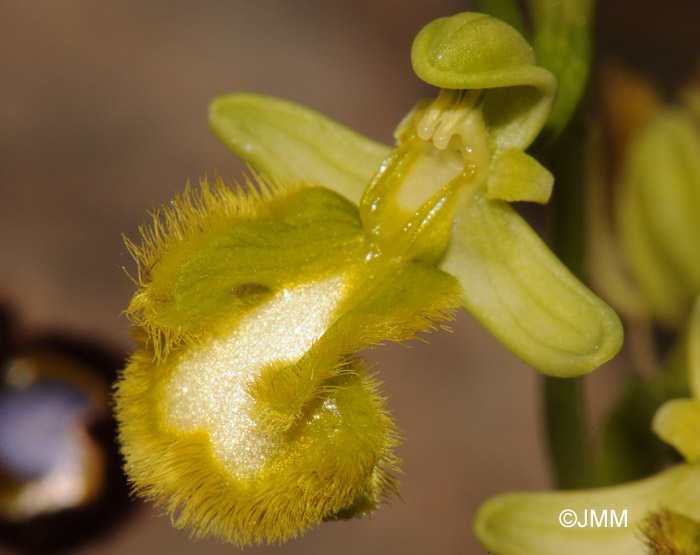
(246, 410)
(661, 513)
(659, 225)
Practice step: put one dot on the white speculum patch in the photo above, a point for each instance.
(207, 390)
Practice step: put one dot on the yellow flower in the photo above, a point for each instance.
(658, 212)
(245, 410)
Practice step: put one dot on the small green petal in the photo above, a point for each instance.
(677, 422)
(518, 176)
(527, 523)
(524, 296)
(286, 141)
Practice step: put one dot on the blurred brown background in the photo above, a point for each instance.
(103, 116)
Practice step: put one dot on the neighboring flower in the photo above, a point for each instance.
(678, 421)
(246, 411)
(662, 512)
(659, 207)
(646, 260)
(61, 483)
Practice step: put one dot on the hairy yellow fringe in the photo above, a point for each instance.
(667, 533)
(393, 301)
(182, 474)
(191, 213)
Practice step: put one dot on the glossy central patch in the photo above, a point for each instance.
(207, 389)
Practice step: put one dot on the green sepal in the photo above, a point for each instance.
(517, 176)
(475, 51)
(524, 296)
(526, 523)
(287, 141)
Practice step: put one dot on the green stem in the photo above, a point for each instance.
(562, 41)
(565, 423)
(564, 399)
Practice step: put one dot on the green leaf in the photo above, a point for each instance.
(283, 140)
(526, 523)
(524, 296)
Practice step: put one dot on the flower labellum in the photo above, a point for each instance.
(246, 410)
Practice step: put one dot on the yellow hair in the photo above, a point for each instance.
(222, 264)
